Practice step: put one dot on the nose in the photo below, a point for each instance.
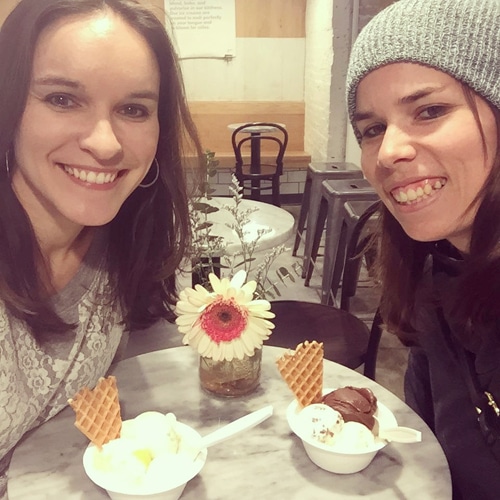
(397, 147)
(101, 140)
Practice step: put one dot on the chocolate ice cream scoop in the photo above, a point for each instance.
(354, 404)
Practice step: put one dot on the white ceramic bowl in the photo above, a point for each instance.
(169, 489)
(325, 457)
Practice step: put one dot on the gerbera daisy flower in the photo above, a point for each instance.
(225, 323)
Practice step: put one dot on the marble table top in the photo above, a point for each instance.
(277, 221)
(266, 462)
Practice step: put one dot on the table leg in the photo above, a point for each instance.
(255, 165)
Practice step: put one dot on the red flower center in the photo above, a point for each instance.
(224, 320)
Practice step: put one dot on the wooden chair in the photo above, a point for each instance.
(255, 174)
(346, 339)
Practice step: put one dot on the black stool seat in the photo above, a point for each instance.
(345, 337)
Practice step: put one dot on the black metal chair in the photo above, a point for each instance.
(346, 339)
(357, 246)
(255, 173)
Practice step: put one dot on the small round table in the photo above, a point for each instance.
(275, 220)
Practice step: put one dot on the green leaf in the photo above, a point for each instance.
(203, 225)
(204, 207)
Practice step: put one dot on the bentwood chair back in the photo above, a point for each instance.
(259, 171)
(360, 244)
(346, 339)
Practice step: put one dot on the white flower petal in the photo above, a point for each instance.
(250, 287)
(238, 279)
(262, 304)
(239, 350)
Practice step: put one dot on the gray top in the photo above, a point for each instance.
(36, 381)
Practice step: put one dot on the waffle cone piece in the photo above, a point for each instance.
(98, 411)
(302, 370)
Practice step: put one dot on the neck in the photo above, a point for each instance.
(61, 257)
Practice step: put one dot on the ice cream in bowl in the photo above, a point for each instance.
(152, 456)
(342, 429)
(340, 442)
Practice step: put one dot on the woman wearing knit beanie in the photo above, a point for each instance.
(423, 92)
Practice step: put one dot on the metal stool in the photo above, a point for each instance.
(333, 196)
(352, 212)
(317, 172)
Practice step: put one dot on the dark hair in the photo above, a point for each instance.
(150, 234)
(401, 261)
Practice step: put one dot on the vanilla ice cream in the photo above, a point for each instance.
(153, 451)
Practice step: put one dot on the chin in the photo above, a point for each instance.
(424, 235)
(93, 220)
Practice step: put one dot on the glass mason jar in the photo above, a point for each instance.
(231, 378)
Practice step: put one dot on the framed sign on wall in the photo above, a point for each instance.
(202, 28)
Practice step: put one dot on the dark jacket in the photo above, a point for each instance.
(436, 386)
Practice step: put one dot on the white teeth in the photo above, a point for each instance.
(412, 195)
(418, 194)
(90, 177)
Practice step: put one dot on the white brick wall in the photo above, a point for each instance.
(318, 76)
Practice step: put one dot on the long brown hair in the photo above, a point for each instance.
(401, 259)
(150, 234)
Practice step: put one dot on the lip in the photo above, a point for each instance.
(404, 184)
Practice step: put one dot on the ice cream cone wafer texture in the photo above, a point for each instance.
(98, 411)
(302, 370)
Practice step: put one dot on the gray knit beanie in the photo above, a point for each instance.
(459, 37)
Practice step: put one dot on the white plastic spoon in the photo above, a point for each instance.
(400, 435)
(397, 434)
(237, 426)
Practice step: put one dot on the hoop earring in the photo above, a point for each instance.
(7, 166)
(149, 184)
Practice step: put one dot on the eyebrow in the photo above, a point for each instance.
(56, 80)
(65, 82)
(419, 94)
(408, 99)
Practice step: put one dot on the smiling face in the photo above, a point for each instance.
(422, 149)
(89, 132)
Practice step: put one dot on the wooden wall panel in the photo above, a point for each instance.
(270, 18)
(5, 7)
(212, 120)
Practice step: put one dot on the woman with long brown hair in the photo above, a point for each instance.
(93, 205)
(423, 92)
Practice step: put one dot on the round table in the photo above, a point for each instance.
(267, 461)
(275, 220)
